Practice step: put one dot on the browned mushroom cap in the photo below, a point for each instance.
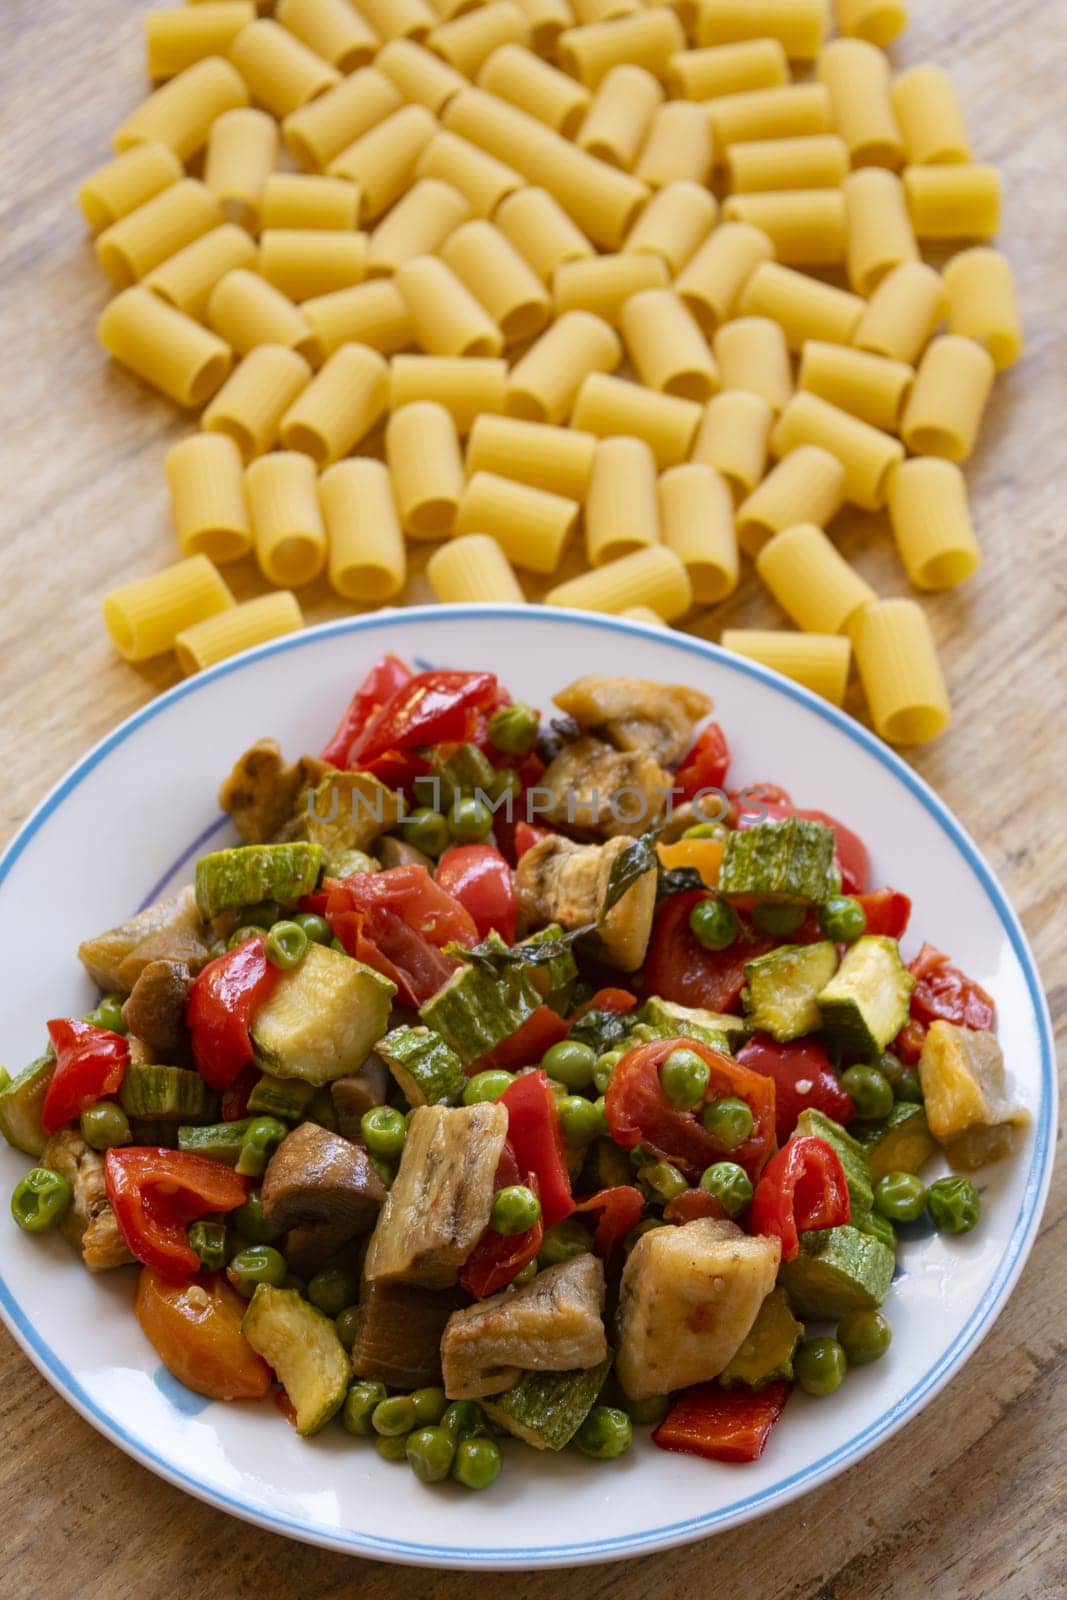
(316, 1176)
(169, 944)
(357, 1094)
(155, 1011)
(400, 1329)
(261, 793)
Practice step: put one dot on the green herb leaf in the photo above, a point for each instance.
(632, 863)
(494, 956)
(677, 880)
(603, 1030)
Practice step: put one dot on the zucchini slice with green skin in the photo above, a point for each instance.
(167, 1093)
(554, 980)
(287, 1098)
(217, 1141)
(474, 1011)
(428, 1071)
(249, 873)
(838, 1270)
(902, 1143)
(546, 1409)
(791, 861)
(782, 986)
(767, 1351)
(851, 1154)
(324, 1018)
(302, 1346)
(20, 1106)
(694, 1023)
(865, 1004)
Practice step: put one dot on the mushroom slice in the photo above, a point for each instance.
(359, 1093)
(262, 793)
(315, 1176)
(400, 1329)
(155, 1011)
(90, 1224)
(598, 790)
(635, 714)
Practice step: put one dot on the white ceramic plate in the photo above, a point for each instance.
(129, 821)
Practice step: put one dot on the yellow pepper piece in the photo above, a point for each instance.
(703, 855)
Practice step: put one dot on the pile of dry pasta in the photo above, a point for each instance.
(499, 206)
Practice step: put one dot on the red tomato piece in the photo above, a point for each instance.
(887, 912)
(195, 1330)
(396, 922)
(943, 993)
(723, 1424)
(90, 1064)
(802, 1077)
(616, 1211)
(221, 1007)
(380, 684)
(526, 836)
(679, 968)
(527, 1045)
(691, 1205)
(766, 802)
(480, 879)
(706, 765)
(534, 1135)
(620, 1001)
(802, 1187)
(430, 708)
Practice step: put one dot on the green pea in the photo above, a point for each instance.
(316, 928)
(639, 1157)
(527, 1275)
(360, 1401)
(41, 1200)
(332, 1289)
(639, 1230)
(108, 1014)
(600, 1106)
(706, 830)
(663, 1179)
(286, 945)
(430, 1406)
(489, 1085)
(842, 919)
(729, 1120)
(646, 1413)
(504, 782)
(427, 830)
(384, 1132)
(392, 1447)
(777, 921)
(394, 1416)
(606, 1433)
(250, 1220)
(729, 1184)
(260, 1263)
(346, 1325)
(909, 1087)
(385, 1170)
(869, 1090)
(713, 923)
(105, 1126)
(570, 1061)
(864, 1336)
(469, 820)
(900, 1196)
(515, 1208)
(563, 1241)
(954, 1204)
(430, 1452)
(209, 1240)
(513, 729)
(477, 1462)
(603, 1068)
(579, 1119)
(464, 1419)
(878, 1227)
(242, 935)
(262, 1137)
(684, 1077)
(820, 1366)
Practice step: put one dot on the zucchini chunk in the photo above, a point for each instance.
(767, 1351)
(671, 1021)
(428, 1071)
(287, 1098)
(20, 1106)
(303, 1348)
(474, 1011)
(323, 1019)
(554, 980)
(837, 1270)
(865, 1004)
(170, 1093)
(790, 861)
(248, 873)
(782, 989)
(546, 1409)
(850, 1153)
(902, 1143)
(347, 811)
(967, 1103)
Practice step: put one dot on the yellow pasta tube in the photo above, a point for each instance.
(367, 560)
(179, 115)
(530, 525)
(867, 454)
(422, 454)
(253, 622)
(789, 112)
(654, 577)
(372, 314)
(305, 262)
(666, 346)
(543, 385)
(245, 310)
(873, 388)
(557, 459)
(728, 69)
(339, 407)
(807, 485)
(679, 145)
(186, 279)
(857, 76)
(419, 75)
(878, 21)
(982, 305)
(467, 41)
(798, 25)
(931, 522)
(466, 388)
(333, 29)
(446, 319)
(164, 347)
(145, 617)
(483, 181)
(819, 661)
(207, 497)
(603, 284)
(752, 354)
(290, 538)
(807, 227)
(251, 403)
(667, 423)
(306, 200)
(697, 517)
(902, 313)
(417, 225)
(282, 74)
(712, 280)
(131, 179)
(879, 229)
(811, 581)
(732, 438)
(474, 569)
(819, 161)
(953, 202)
(523, 79)
(931, 122)
(139, 241)
(399, 19)
(620, 115)
(586, 11)
(901, 674)
(643, 614)
(621, 509)
(953, 382)
(541, 231)
(178, 39)
(547, 20)
(383, 160)
(674, 224)
(321, 129)
(648, 38)
(242, 148)
(499, 279)
(803, 307)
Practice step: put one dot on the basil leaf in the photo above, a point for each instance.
(630, 864)
(677, 880)
(603, 1030)
(494, 956)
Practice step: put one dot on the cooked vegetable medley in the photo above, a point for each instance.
(514, 1075)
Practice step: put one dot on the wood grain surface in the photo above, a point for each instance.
(967, 1503)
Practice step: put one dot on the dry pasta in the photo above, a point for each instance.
(798, 25)
(867, 454)
(544, 383)
(166, 348)
(541, 231)
(931, 522)
(901, 674)
(536, 87)
(819, 661)
(621, 509)
(205, 477)
(253, 622)
(325, 126)
(305, 262)
(417, 225)
(282, 74)
(953, 382)
(426, 468)
(679, 145)
(878, 21)
(131, 179)
(382, 161)
(333, 29)
(697, 518)
(419, 75)
(803, 307)
(290, 538)
(371, 313)
(530, 525)
(931, 122)
(713, 279)
(654, 577)
(339, 407)
(620, 115)
(981, 303)
(879, 229)
(180, 113)
(733, 438)
(788, 112)
(466, 388)
(811, 581)
(752, 354)
(808, 485)
(648, 38)
(953, 202)
(902, 313)
(607, 405)
(468, 40)
(186, 279)
(251, 403)
(586, 11)
(245, 310)
(399, 19)
(871, 387)
(547, 20)
(473, 568)
(483, 180)
(307, 200)
(178, 39)
(818, 161)
(666, 345)
(857, 76)
(499, 279)
(604, 284)
(807, 227)
(139, 241)
(145, 617)
(548, 457)
(722, 69)
(643, 614)
(242, 148)
(446, 319)
(367, 560)
(674, 224)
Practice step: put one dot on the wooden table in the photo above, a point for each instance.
(967, 1502)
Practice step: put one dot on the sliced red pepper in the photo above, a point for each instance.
(90, 1063)
(156, 1193)
(381, 683)
(943, 993)
(679, 968)
(620, 1001)
(887, 912)
(396, 922)
(802, 1076)
(616, 1211)
(706, 765)
(430, 708)
(638, 1111)
(526, 836)
(723, 1424)
(222, 1006)
(763, 802)
(692, 1205)
(498, 1258)
(526, 1046)
(234, 1104)
(534, 1135)
(908, 1044)
(802, 1187)
(480, 879)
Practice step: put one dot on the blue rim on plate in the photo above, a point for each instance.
(743, 1509)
